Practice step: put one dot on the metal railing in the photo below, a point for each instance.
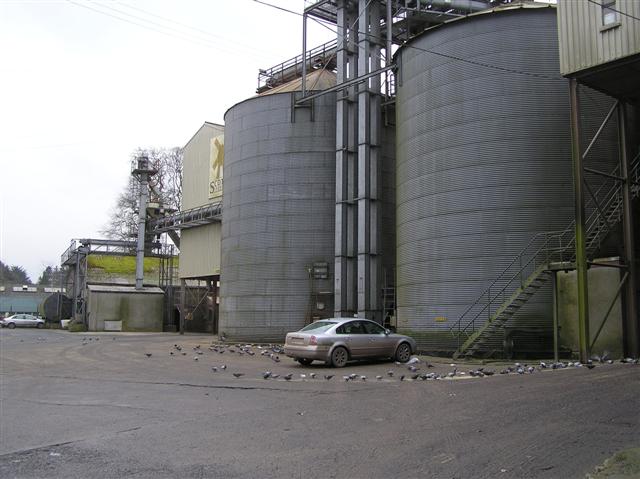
(293, 66)
(545, 248)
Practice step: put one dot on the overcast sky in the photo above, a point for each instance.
(84, 83)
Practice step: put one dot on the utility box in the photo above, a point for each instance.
(124, 308)
(603, 286)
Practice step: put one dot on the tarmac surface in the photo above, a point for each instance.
(82, 405)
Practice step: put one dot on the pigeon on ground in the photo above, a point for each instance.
(415, 376)
(353, 376)
(364, 378)
(171, 353)
(312, 375)
(195, 358)
(346, 378)
(224, 366)
(413, 369)
(214, 369)
(238, 375)
(378, 377)
(266, 375)
(184, 353)
(288, 376)
(148, 355)
(328, 376)
(591, 366)
(303, 376)
(402, 378)
(275, 376)
(390, 374)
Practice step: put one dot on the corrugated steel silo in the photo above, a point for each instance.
(483, 162)
(278, 216)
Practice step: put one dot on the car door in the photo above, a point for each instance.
(19, 319)
(379, 344)
(355, 338)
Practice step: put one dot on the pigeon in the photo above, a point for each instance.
(171, 353)
(489, 372)
(364, 378)
(184, 353)
(303, 376)
(402, 378)
(413, 360)
(413, 369)
(591, 366)
(266, 375)
(390, 374)
(288, 377)
(353, 376)
(214, 369)
(195, 358)
(224, 366)
(275, 376)
(543, 365)
(148, 355)
(415, 376)
(328, 376)
(238, 375)
(378, 377)
(346, 378)
(312, 375)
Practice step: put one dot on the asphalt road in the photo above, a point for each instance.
(94, 405)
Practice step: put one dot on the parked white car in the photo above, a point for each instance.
(24, 320)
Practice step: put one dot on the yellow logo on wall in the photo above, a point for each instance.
(217, 166)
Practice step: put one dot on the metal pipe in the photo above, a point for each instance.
(602, 173)
(602, 125)
(556, 332)
(142, 218)
(631, 317)
(464, 5)
(304, 54)
(581, 249)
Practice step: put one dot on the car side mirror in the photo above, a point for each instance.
(387, 332)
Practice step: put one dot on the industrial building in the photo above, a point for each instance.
(464, 171)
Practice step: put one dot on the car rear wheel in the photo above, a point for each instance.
(11, 325)
(403, 353)
(339, 357)
(40, 325)
(304, 361)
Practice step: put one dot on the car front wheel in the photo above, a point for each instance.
(40, 325)
(339, 357)
(403, 353)
(11, 325)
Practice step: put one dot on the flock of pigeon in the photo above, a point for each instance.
(414, 370)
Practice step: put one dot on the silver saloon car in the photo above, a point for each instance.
(26, 320)
(338, 340)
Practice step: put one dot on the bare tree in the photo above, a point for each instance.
(166, 189)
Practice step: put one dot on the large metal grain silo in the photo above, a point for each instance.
(278, 216)
(483, 163)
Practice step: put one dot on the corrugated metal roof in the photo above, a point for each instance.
(100, 288)
(316, 80)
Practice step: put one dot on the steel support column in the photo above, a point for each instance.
(345, 221)
(632, 337)
(369, 284)
(581, 250)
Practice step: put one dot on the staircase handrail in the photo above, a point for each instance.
(549, 254)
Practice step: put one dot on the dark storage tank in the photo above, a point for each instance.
(55, 307)
(278, 216)
(483, 162)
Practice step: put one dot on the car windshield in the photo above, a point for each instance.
(318, 326)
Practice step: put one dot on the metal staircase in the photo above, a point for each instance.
(532, 267)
